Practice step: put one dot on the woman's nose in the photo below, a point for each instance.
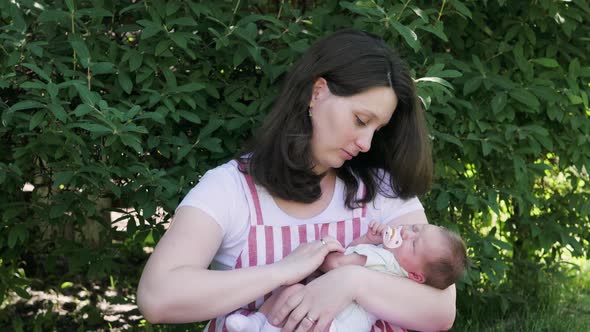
(364, 141)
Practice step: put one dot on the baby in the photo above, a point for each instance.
(425, 253)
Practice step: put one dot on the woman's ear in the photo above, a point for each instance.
(320, 89)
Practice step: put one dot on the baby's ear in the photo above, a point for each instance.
(417, 277)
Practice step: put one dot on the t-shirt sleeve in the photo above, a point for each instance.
(391, 208)
(219, 193)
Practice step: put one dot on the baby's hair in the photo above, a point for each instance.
(450, 264)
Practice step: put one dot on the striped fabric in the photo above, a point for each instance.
(268, 244)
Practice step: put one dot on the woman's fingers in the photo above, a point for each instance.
(306, 324)
(297, 318)
(322, 325)
(283, 308)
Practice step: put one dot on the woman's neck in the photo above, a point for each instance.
(309, 210)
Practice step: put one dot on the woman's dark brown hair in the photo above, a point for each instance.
(351, 62)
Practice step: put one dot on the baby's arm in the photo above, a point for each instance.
(336, 259)
(373, 236)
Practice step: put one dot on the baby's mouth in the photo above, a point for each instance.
(392, 238)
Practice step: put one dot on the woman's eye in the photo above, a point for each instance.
(360, 122)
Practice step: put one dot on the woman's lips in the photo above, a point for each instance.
(347, 155)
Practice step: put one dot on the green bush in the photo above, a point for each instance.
(123, 105)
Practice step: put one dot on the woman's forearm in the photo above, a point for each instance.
(177, 287)
(191, 294)
(405, 302)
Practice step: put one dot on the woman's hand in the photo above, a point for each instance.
(314, 306)
(307, 258)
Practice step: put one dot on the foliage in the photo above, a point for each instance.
(123, 105)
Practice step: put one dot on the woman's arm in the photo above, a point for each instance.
(398, 300)
(405, 302)
(177, 287)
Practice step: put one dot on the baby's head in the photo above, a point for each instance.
(431, 254)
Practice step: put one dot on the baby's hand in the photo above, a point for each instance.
(375, 233)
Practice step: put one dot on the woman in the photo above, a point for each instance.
(345, 143)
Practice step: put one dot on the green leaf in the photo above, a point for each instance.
(162, 47)
(43, 74)
(135, 61)
(486, 147)
(172, 7)
(546, 62)
(36, 119)
(102, 68)
(25, 105)
(70, 4)
(239, 56)
(192, 117)
(501, 244)
(212, 144)
(86, 95)
(235, 123)
(125, 82)
(66, 284)
(461, 8)
(471, 85)
(95, 128)
(132, 141)
(18, 233)
(82, 110)
(178, 39)
(51, 15)
(211, 126)
(94, 12)
(191, 87)
(442, 201)
(438, 80)
(52, 89)
(525, 97)
(62, 178)
(183, 21)
(150, 31)
(449, 138)
(22, 293)
(499, 102)
(408, 34)
(35, 85)
(82, 52)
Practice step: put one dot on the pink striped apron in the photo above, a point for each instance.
(267, 244)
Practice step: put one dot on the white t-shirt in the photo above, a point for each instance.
(222, 196)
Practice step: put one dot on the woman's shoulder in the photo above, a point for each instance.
(218, 182)
(226, 172)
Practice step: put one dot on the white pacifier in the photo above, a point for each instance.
(392, 238)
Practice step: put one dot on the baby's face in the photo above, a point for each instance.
(420, 242)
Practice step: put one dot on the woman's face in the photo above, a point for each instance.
(343, 127)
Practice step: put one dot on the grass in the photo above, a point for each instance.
(571, 312)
